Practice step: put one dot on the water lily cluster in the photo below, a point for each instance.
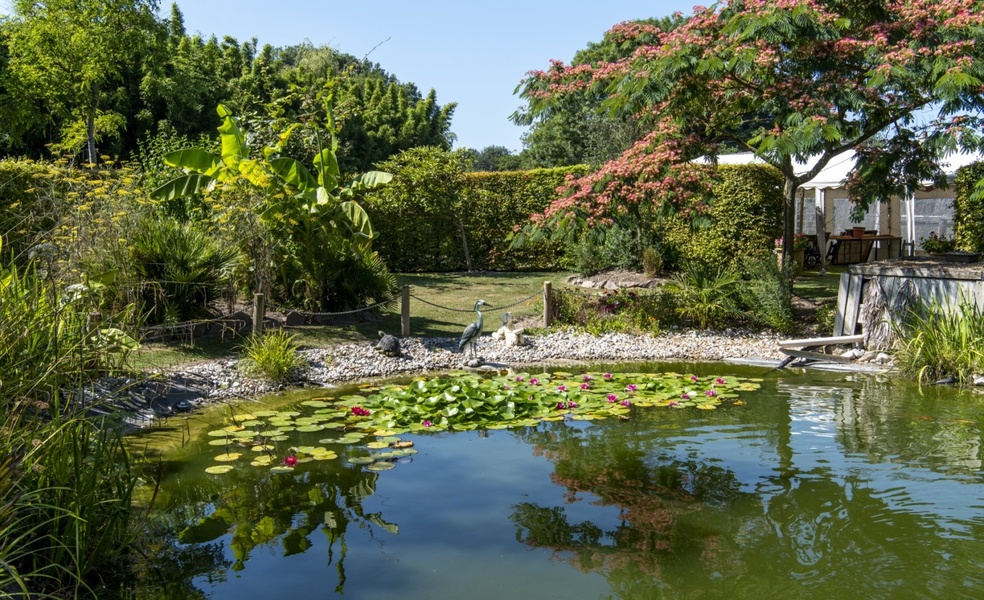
(373, 420)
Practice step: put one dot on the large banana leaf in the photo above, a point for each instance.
(374, 179)
(194, 160)
(327, 165)
(183, 186)
(293, 173)
(359, 220)
(234, 146)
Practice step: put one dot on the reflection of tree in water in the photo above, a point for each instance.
(660, 502)
(259, 509)
(686, 528)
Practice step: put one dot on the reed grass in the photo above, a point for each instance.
(940, 341)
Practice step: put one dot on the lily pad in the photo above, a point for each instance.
(360, 460)
(231, 456)
(381, 466)
(282, 469)
(219, 469)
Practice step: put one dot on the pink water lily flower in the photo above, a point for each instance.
(685, 396)
(631, 387)
(427, 424)
(710, 393)
(561, 388)
(673, 403)
(289, 461)
(361, 412)
(719, 380)
(587, 377)
(585, 386)
(693, 378)
(626, 402)
(534, 381)
(607, 375)
(612, 398)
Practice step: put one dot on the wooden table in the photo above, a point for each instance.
(849, 250)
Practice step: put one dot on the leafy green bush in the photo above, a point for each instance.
(272, 356)
(643, 311)
(744, 219)
(604, 248)
(181, 268)
(764, 292)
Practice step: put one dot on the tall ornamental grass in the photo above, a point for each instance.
(66, 480)
(938, 343)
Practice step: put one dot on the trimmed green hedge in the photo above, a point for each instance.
(417, 216)
(420, 215)
(502, 200)
(746, 217)
(968, 212)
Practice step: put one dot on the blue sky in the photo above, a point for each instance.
(472, 53)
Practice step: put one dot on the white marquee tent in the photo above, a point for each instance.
(831, 206)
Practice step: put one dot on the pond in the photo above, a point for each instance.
(821, 485)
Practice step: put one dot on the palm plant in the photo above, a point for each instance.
(182, 268)
(705, 293)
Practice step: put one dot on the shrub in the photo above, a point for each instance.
(615, 310)
(745, 218)
(765, 293)
(271, 356)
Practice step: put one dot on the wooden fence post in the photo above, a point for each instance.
(405, 312)
(259, 312)
(547, 304)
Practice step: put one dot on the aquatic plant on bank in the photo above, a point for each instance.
(457, 402)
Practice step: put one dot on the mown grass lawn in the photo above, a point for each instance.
(441, 305)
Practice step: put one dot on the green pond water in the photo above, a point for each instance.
(822, 485)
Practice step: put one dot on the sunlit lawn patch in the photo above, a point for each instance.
(459, 401)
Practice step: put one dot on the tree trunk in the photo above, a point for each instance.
(90, 124)
(464, 243)
(788, 218)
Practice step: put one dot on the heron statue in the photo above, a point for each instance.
(471, 333)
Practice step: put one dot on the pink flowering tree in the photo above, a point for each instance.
(898, 80)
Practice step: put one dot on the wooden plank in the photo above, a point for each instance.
(853, 304)
(816, 356)
(841, 303)
(822, 341)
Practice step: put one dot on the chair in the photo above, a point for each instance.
(811, 256)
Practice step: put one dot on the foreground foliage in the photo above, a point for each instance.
(65, 477)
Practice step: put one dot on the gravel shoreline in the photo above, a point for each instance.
(171, 391)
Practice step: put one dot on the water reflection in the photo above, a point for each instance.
(208, 518)
(820, 487)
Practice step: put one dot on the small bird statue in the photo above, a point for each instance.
(388, 344)
(474, 330)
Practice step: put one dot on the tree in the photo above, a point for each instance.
(578, 129)
(70, 53)
(495, 158)
(790, 81)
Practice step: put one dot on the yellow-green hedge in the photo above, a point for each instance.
(968, 212)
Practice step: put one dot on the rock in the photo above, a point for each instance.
(295, 319)
(979, 380)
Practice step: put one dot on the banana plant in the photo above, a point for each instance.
(204, 169)
(321, 196)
